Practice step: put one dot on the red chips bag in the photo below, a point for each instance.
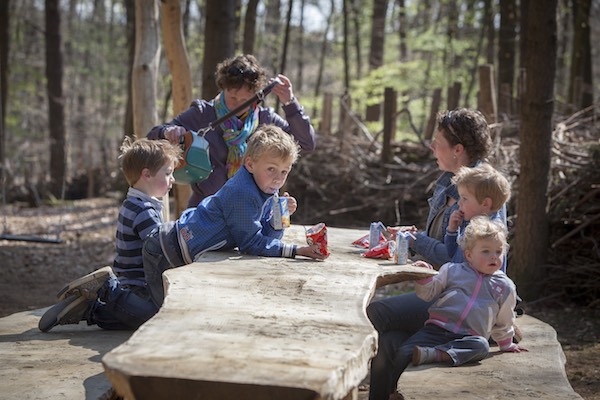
(318, 235)
(362, 242)
(383, 250)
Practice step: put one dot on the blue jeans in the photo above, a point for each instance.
(122, 308)
(396, 319)
(155, 263)
(395, 355)
(400, 322)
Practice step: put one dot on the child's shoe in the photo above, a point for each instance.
(424, 355)
(87, 286)
(71, 310)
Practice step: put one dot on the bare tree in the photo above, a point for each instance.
(357, 38)
(219, 39)
(488, 10)
(286, 37)
(130, 33)
(177, 57)
(145, 66)
(4, 51)
(323, 52)
(531, 240)
(56, 101)
(507, 39)
(300, 56)
(580, 80)
(250, 27)
(402, 29)
(377, 48)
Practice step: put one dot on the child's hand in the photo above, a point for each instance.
(310, 252)
(404, 228)
(292, 203)
(423, 264)
(456, 218)
(514, 348)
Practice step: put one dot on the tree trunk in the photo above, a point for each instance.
(145, 68)
(531, 240)
(130, 33)
(345, 43)
(323, 53)
(300, 56)
(4, 52)
(490, 32)
(357, 37)
(272, 36)
(218, 41)
(177, 57)
(581, 56)
(286, 37)
(56, 105)
(507, 39)
(402, 30)
(377, 49)
(250, 27)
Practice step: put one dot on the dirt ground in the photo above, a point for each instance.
(34, 267)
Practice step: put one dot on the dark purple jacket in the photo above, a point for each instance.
(201, 113)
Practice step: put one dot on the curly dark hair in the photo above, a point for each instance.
(469, 128)
(243, 70)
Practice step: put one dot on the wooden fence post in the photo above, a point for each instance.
(436, 100)
(487, 93)
(326, 114)
(454, 95)
(389, 124)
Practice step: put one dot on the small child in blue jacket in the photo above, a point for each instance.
(238, 215)
(482, 190)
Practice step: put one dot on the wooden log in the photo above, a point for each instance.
(237, 326)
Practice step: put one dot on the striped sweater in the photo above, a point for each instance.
(138, 216)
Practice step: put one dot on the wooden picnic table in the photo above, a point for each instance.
(242, 327)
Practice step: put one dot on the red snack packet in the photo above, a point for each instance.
(362, 242)
(383, 250)
(318, 235)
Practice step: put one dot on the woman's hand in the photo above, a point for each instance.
(284, 89)
(291, 202)
(173, 133)
(310, 252)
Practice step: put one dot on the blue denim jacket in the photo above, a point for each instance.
(433, 250)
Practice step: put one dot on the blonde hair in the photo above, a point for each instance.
(481, 228)
(273, 140)
(484, 181)
(145, 153)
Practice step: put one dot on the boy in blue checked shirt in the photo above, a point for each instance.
(238, 215)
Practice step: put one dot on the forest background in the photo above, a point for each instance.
(79, 75)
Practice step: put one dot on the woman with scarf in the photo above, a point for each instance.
(239, 79)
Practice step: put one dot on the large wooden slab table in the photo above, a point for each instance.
(243, 327)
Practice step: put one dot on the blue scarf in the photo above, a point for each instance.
(236, 131)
